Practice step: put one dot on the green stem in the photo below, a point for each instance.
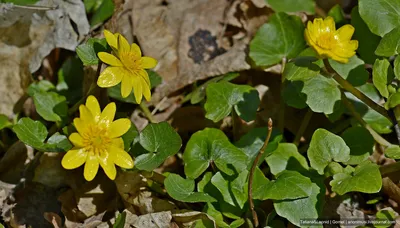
(303, 126)
(147, 112)
(350, 88)
(378, 138)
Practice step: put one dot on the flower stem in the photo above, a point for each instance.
(253, 168)
(378, 138)
(147, 112)
(350, 88)
(303, 127)
(281, 120)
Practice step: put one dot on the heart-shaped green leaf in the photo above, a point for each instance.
(4, 122)
(223, 96)
(50, 105)
(87, 52)
(233, 190)
(380, 23)
(365, 178)
(389, 44)
(212, 146)
(393, 151)
(286, 157)
(360, 142)
(326, 147)
(282, 37)
(354, 71)
(182, 190)
(162, 141)
(382, 76)
(307, 6)
(260, 184)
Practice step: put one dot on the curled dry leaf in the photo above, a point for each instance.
(49, 26)
(190, 40)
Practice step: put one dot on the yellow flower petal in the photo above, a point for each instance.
(118, 142)
(110, 77)
(123, 45)
(148, 62)
(91, 167)
(74, 158)
(318, 26)
(143, 73)
(108, 166)
(109, 59)
(345, 32)
(93, 105)
(138, 90)
(80, 125)
(329, 24)
(126, 87)
(119, 127)
(85, 114)
(121, 158)
(108, 114)
(136, 50)
(111, 39)
(76, 139)
(146, 90)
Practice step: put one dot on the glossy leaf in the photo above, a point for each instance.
(286, 157)
(307, 6)
(282, 37)
(389, 44)
(360, 142)
(234, 191)
(50, 105)
(382, 76)
(353, 71)
(87, 52)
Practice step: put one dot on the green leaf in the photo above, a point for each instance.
(286, 157)
(378, 122)
(282, 37)
(381, 16)
(360, 142)
(353, 71)
(32, 133)
(223, 96)
(366, 178)
(4, 122)
(252, 142)
(397, 67)
(307, 6)
(120, 220)
(337, 13)
(333, 168)
(308, 207)
(70, 80)
(182, 190)
(389, 44)
(288, 185)
(115, 91)
(382, 76)
(41, 86)
(393, 151)
(104, 12)
(260, 184)
(326, 147)
(393, 100)
(234, 191)
(217, 216)
(87, 52)
(50, 105)
(199, 93)
(162, 141)
(367, 41)
(293, 96)
(58, 143)
(130, 136)
(212, 145)
(387, 218)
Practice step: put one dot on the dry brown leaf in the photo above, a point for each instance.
(14, 162)
(50, 172)
(187, 218)
(154, 220)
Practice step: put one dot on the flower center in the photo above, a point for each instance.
(326, 41)
(96, 139)
(130, 60)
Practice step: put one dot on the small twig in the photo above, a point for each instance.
(303, 126)
(388, 169)
(253, 168)
(147, 112)
(391, 189)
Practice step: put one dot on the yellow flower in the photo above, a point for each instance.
(329, 42)
(98, 141)
(126, 66)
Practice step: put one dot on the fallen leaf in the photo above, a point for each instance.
(14, 163)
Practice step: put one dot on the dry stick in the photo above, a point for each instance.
(378, 138)
(391, 189)
(253, 168)
(303, 127)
